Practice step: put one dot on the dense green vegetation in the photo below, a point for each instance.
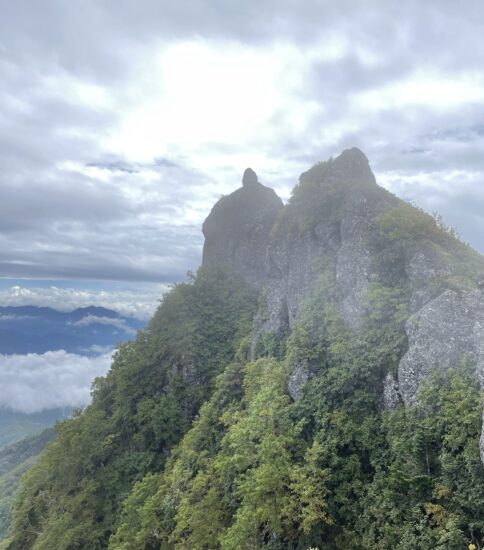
(428, 487)
(192, 444)
(15, 460)
(330, 471)
(157, 383)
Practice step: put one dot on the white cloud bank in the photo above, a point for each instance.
(33, 382)
(96, 320)
(139, 302)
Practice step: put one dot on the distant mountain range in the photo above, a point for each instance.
(85, 331)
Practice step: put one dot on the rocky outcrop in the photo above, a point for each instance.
(299, 376)
(444, 332)
(353, 266)
(284, 261)
(237, 231)
(391, 394)
(280, 250)
(424, 270)
(294, 257)
(440, 335)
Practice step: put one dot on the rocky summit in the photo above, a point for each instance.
(317, 384)
(339, 215)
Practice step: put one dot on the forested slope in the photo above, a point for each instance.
(15, 460)
(157, 383)
(315, 384)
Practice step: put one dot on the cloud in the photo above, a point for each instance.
(121, 127)
(457, 195)
(96, 320)
(14, 317)
(32, 383)
(139, 302)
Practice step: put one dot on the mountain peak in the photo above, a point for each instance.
(353, 153)
(361, 297)
(353, 162)
(351, 166)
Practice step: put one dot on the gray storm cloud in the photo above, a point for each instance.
(32, 383)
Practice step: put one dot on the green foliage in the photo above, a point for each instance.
(263, 471)
(190, 445)
(407, 225)
(330, 471)
(428, 491)
(157, 383)
(403, 231)
(15, 460)
(241, 476)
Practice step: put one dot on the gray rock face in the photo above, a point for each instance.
(391, 395)
(353, 267)
(300, 375)
(425, 267)
(443, 332)
(426, 264)
(440, 334)
(237, 231)
(284, 262)
(294, 258)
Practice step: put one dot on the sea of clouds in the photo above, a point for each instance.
(139, 302)
(35, 382)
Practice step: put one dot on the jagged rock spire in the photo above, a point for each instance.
(249, 178)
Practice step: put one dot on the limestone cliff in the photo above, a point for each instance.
(339, 216)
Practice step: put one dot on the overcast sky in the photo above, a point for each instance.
(122, 122)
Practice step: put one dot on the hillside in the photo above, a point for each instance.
(15, 460)
(315, 384)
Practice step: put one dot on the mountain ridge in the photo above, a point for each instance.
(34, 329)
(366, 215)
(313, 385)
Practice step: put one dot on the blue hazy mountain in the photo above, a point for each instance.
(85, 331)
